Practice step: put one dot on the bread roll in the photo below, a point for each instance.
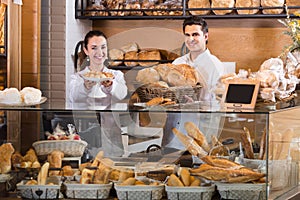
(222, 4)
(6, 152)
(199, 4)
(147, 75)
(247, 3)
(30, 156)
(55, 161)
(16, 159)
(67, 171)
(86, 176)
(149, 55)
(115, 54)
(174, 181)
(272, 3)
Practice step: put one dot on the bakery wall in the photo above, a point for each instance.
(248, 42)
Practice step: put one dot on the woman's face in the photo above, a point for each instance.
(195, 39)
(96, 50)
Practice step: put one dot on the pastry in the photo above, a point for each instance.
(199, 4)
(6, 152)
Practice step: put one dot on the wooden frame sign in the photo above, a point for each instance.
(240, 94)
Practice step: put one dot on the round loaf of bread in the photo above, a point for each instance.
(115, 54)
(222, 4)
(247, 3)
(31, 95)
(10, 96)
(199, 4)
(272, 3)
(147, 75)
(131, 55)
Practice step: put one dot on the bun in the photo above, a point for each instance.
(67, 171)
(30, 156)
(131, 55)
(55, 161)
(174, 181)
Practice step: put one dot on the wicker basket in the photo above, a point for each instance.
(136, 192)
(177, 94)
(195, 193)
(242, 191)
(71, 148)
(87, 191)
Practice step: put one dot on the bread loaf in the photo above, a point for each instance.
(31, 95)
(131, 55)
(133, 46)
(115, 54)
(43, 174)
(149, 55)
(194, 132)
(247, 3)
(222, 4)
(272, 3)
(199, 4)
(147, 75)
(10, 96)
(293, 3)
(6, 152)
(55, 161)
(247, 143)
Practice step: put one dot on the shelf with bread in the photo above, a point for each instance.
(181, 9)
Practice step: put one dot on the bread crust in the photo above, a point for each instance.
(194, 132)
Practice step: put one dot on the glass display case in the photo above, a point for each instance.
(135, 134)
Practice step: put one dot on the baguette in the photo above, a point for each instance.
(43, 174)
(198, 136)
(247, 144)
(185, 176)
(190, 144)
(220, 162)
(262, 149)
(174, 181)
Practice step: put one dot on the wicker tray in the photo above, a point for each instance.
(142, 192)
(177, 94)
(87, 191)
(72, 148)
(242, 191)
(195, 193)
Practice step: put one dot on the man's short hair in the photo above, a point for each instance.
(195, 20)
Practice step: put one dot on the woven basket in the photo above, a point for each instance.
(87, 191)
(142, 192)
(71, 148)
(177, 94)
(195, 193)
(242, 191)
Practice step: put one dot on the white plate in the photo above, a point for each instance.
(43, 100)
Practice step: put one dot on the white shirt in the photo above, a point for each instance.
(210, 69)
(79, 96)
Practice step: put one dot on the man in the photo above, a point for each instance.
(210, 68)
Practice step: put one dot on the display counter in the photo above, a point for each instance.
(147, 135)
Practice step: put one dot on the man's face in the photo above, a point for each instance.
(195, 39)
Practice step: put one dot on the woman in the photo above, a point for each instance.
(82, 96)
(82, 92)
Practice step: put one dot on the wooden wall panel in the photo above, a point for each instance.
(248, 42)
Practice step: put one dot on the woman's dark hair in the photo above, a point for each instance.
(195, 20)
(91, 34)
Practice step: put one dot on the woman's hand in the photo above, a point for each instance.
(89, 84)
(107, 83)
